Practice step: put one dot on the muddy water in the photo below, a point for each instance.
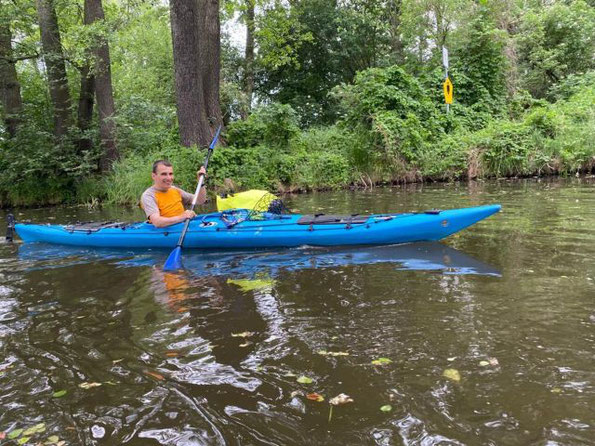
(489, 336)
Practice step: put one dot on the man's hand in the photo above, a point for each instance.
(189, 214)
(200, 172)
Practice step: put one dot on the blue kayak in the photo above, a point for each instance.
(240, 228)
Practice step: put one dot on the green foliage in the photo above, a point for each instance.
(554, 42)
(273, 125)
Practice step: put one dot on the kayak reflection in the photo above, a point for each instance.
(423, 256)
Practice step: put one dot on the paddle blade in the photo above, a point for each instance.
(174, 261)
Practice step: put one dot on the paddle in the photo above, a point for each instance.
(174, 261)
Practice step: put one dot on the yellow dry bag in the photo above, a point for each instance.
(255, 200)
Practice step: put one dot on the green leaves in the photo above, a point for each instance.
(59, 393)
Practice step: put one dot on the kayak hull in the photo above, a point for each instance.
(212, 231)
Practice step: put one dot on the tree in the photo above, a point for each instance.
(249, 53)
(195, 34)
(10, 89)
(55, 66)
(86, 94)
(103, 89)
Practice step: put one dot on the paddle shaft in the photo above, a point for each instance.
(198, 187)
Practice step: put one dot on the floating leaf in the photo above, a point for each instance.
(381, 361)
(290, 375)
(245, 334)
(304, 380)
(172, 354)
(484, 363)
(23, 440)
(556, 390)
(386, 408)
(38, 428)
(14, 434)
(54, 439)
(246, 344)
(115, 361)
(452, 374)
(60, 393)
(155, 375)
(325, 353)
(493, 362)
(89, 385)
(315, 397)
(340, 399)
(451, 358)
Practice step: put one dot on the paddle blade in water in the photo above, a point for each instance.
(174, 261)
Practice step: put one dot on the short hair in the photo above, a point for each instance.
(156, 164)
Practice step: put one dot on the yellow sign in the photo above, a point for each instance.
(448, 89)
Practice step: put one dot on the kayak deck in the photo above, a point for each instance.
(239, 228)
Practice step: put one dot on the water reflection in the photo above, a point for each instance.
(427, 256)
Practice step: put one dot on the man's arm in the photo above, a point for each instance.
(161, 222)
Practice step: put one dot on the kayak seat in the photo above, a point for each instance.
(322, 219)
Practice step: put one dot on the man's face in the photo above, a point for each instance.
(163, 178)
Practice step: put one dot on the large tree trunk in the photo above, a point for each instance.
(10, 89)
(249, 55)
(192, 115)
(54, 62)
(103, 91)
(209, 40)
(196, 43)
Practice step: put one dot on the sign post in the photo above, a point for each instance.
(447, 86)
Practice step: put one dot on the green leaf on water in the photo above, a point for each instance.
(60, 393)
(484, 363)
(53, 439)
(452, 374)
(38, 428)
(14, 434)
(386, 408)
(23, 440)
(304, 380)
(381, 361)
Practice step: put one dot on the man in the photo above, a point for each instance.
(163, 202)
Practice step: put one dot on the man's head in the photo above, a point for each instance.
(163, 175)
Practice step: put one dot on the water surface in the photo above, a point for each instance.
(213, 355)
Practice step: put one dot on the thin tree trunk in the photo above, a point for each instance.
(104, 92)
(249, 56)
(395, 11)
(192, 114)
(209, 40)
(10, 89)
(86, 96)
(85, 106)
(56, 70)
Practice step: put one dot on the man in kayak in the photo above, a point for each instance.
(163, 202)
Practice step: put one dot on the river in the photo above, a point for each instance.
(485, 338)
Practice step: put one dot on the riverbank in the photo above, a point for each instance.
(388, 140)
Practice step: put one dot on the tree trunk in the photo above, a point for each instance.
(396, 43)
(85, 108)
(196, 44)
(249, 56)
(54, 62)
(10, 89)
(103, 91)
(209, 51)
(192, 116)
(86, 96)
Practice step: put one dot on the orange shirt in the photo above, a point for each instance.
(168, 204)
